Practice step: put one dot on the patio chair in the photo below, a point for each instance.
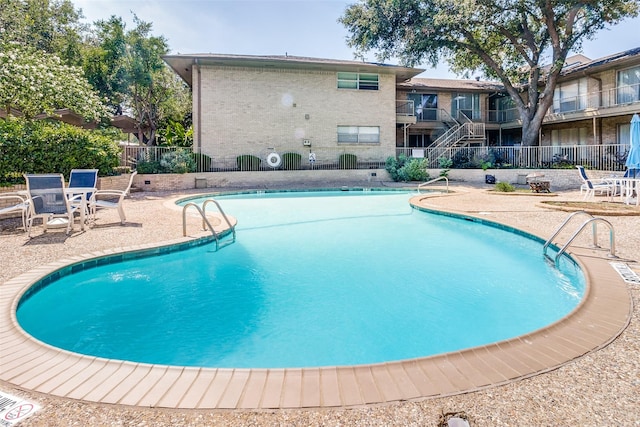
(591, 186)
(18, 204)
(110, 199)
(83, 180)
(48, 201)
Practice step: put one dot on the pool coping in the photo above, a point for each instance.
(602, 315)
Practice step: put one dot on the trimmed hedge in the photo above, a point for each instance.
(291, 161)
(248, 162)
(347, 161)
(52, 147)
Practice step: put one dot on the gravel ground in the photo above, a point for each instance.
(601, 388)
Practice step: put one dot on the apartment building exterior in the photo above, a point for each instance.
(261, 105)
(272, 105)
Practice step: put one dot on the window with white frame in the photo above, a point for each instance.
(361, 81)
(628, 85)
(358, 134)
(570, 96)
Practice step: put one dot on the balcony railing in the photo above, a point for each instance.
(622, 95)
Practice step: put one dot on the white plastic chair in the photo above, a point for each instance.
(590, 186)
(20, 204)
(110, 199)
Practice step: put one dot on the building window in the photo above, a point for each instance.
(359, 81)
(629, 85)
(358, 134)
(425, 105)
(570, 96)
(624, 134)
(467, 104)
(572, 136)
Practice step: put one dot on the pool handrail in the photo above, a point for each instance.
(440, 178)
(205, 221)
(593, 220)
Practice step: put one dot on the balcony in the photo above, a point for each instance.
(605, 103)
(405, 113)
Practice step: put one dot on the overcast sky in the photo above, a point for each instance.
(268, 27)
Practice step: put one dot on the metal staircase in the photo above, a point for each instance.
(460, 132)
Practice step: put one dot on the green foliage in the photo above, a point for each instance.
(347, 161)
(35, 82)
(49, 26)
(203, 162)
(504, 187)
(44, 147)
(485, 164)
(407, 169)
(175, 134)
(149, 167)
(248, 162)
(291, 161)
(445, 165)
(178, 161)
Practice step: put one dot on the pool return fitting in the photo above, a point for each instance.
(594, 225)
(205, 221)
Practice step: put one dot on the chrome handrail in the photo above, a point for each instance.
(440, 178)
(593, 220)
(205, 221)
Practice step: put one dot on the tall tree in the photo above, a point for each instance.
(52, 26)
(510, 40)
(105, 62)
(34, 82)
(126, 67)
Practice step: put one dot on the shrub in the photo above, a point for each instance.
(152, 166)
(406, 169)
(178, 161)
(291, 161)
(504, 187)
(248, 162)
(53, 147)
(445, 164)
(347, 161)
(203, 162)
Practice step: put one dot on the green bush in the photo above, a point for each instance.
(504, 187)
(248, 162)
(406, 169)
(149, 167)
(203, 162)
(347, 161)
(53, 147)
(291, 161)
(178, 161)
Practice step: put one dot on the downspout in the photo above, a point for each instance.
(199, 86)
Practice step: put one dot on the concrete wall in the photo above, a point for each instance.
(561, 179)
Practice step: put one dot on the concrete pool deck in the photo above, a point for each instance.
(56, 378)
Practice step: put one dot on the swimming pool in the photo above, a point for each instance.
(366, 289)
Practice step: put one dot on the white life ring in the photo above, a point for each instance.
(274, 160)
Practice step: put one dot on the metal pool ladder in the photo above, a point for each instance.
(440, 178)
(205, 221)
(594, 225)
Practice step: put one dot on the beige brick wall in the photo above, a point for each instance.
(258, 110)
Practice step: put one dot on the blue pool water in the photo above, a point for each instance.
(314, 279)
